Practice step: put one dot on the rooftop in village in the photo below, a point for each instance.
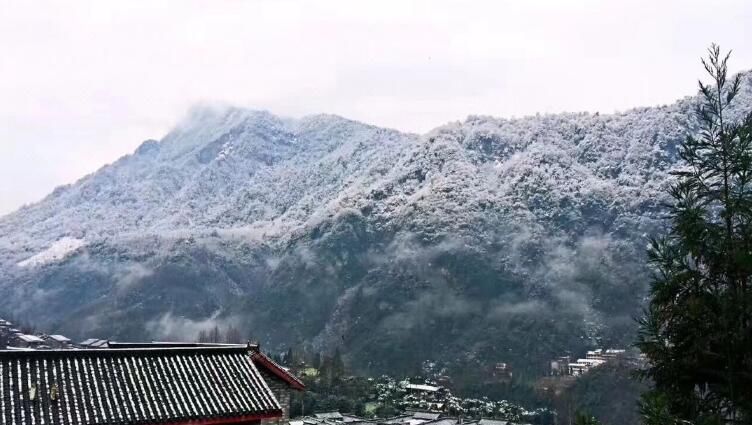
(422, 387)
(409, 418)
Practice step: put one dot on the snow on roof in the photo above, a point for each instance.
(123, 377)
(59, 338)
(328, 415)
(591, 361)
(491, 422)
(420, 387)
(11, 348)
(397, 419)
(95, 343)
(445, 421)
(426, 415)
(30, 338)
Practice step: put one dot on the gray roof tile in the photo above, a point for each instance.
(134, 386)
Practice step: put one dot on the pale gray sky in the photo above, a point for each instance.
(82, 83)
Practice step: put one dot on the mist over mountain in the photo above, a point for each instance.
(488, 240)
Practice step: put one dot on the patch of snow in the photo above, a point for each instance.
(56, 252)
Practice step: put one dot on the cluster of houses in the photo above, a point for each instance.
(12, 338)
(424, 396)
(564, 366)
(501, 372)
(409, 418)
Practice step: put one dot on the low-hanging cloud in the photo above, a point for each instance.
(170, 327)
(131, 275)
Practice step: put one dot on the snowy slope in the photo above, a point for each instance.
(219, 169)
(465, 241)
(56, 252)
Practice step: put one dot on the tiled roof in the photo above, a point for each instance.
(131, 386)
(492, 422)
(430, 416)
(259, 358)
(328, 415)
(397, 420)
(444, 421)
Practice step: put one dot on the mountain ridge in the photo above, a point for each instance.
(483, 240)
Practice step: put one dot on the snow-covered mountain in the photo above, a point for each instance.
(483, 240)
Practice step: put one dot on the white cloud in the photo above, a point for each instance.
(83, 83)
(169, 327)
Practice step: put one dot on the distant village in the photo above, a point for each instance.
(409, 418)
(12, 338)
(564, 366)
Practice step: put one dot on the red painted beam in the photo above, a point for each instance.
(276, 369)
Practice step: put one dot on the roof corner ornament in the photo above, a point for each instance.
(254, 346)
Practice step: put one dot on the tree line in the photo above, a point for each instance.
(217, 335)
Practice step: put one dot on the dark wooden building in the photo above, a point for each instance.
(199, 385)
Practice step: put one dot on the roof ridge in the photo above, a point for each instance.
(114, 351)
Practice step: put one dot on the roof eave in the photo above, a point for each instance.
(277, 370)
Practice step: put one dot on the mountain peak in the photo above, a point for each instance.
(309, 225)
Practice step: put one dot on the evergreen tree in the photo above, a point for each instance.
(317, 360)
(215, 335)
(338, 365)
(203, 336)
(233, 335)
(290, 358)
(697, 330)
(585, 419)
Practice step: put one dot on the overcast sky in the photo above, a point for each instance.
(82, 84)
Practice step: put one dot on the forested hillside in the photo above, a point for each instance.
(488, 240)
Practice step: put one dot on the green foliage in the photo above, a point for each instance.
(654, 409)
(610, 393)
(585, 419)
(697, 330)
